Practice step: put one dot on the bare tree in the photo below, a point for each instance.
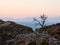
(41, 21)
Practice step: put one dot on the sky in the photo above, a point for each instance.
(29, 8)
(23, 11)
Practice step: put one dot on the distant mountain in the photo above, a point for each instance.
(29, 21)
(24, 21)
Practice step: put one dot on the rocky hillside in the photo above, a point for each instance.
(53, 30)
(42, 38)
(9, 30)
(9, 26)
(12, 33)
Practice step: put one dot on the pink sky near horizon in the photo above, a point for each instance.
(29, 8)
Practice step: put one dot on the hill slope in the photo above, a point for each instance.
(10, 29)
(53, 30)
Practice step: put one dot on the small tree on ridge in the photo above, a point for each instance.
(41, 21)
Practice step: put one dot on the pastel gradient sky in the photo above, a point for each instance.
(29, 8)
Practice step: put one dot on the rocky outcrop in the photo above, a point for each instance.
(35, 37)
(9, 30)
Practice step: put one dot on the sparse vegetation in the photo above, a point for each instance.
(43, 43)
(41, 21)
(32, 43)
